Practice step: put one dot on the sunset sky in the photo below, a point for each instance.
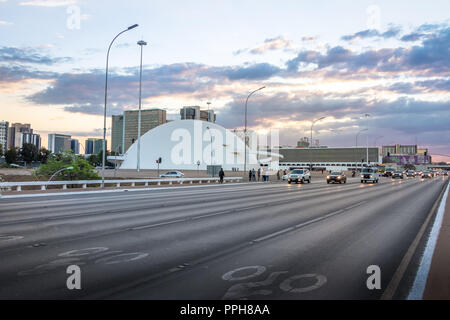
(339, 59)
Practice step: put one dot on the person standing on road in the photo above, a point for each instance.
(250, 176)
(221, 175)
(253, 175)
(259, 174)
(278, 175)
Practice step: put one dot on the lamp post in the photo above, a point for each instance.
(310, 142)
(357, 135)
(367, 146)
(106, 98)
(68, 168)
(245, 130)
(141, 43)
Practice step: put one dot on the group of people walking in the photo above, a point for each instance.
(260, 175)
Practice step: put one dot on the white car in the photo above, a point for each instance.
(299, 176)
(285, 177)
(370, 175)
(172, 174)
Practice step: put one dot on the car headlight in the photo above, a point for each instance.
(362, 176)
(328, 177)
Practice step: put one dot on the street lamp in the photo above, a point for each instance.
(357, 135)
(68, 168)
(141, 43)
(310, 142)
(106, 98)
(245, 130)
(367, 146)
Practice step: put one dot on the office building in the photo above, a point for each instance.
(94, 146)
(117, 134)
(195, 113)
(15, 134)
(4, 126)
(58, 143)
(398, 149)
(125, 127)
(327, 158)
(75, 146)
(30, 138)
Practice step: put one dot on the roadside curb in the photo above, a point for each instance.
(438, 280)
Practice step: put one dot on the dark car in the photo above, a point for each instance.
(427, 175)
(397, 174)
(388, 173)
(337, 177)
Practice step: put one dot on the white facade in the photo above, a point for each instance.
(182, 143)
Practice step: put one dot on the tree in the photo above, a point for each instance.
(29, 152)
(43, 156)
(11, 155)
(82, 169)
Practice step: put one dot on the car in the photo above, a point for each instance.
(336, 177)
(427, 175)
(299, 176)
(370, 175)
(397, 174)
(411, 173)
(172, 174)
(285, 177)
(445, 173)
(388, 172)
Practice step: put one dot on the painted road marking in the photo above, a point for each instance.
(258, 271)
(10, 238)
(287, 285)
(420, 281)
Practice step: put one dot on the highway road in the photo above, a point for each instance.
(233, 241)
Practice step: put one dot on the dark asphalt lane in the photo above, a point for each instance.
(273, 241)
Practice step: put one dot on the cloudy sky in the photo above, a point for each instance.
(339, 59)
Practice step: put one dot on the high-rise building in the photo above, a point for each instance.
(31, 138)
(4, 126)
(195, 113)
(75, 146)
(58, 143)
(117, 134)
(94, 146)
(15, 134)
(125, 127)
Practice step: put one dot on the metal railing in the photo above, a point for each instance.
(17, 186)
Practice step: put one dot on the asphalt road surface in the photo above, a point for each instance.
(235, 241)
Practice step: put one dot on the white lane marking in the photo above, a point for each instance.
(287, 285)
(83, 252)
(10, 238)
(391, 289)
(229, 276)
(355, 205)
(157, 225)
(420, 281)
(124, 257)
(272, 235)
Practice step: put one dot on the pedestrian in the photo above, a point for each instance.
(322, 171)
(221, 175)
(259, 174)
(253, 175)
(278, 175)
(249, 175)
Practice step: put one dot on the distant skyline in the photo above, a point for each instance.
(340, 59)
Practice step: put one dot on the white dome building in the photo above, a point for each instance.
(186, 145)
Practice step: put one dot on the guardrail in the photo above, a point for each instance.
(17, 186)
